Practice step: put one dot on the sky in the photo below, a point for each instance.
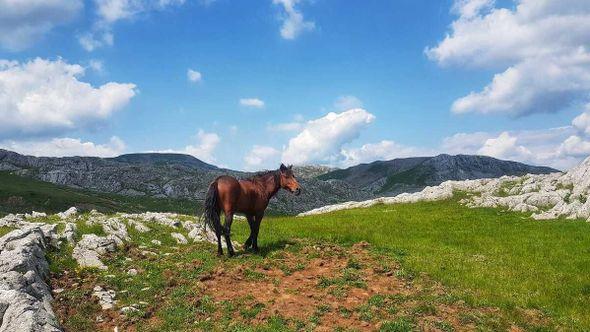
(250, 84)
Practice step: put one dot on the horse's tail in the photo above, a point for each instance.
(211, 214)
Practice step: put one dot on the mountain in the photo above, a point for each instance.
(185, 178)
(170, 176)
(164, 159)
(413, 174)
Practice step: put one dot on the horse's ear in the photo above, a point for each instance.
(283, 167)
(290, 166)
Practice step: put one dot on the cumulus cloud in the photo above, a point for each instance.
(203, 149)
(65, 147)
(252, 102)
(193, 75)
(582, 122)
(344, 103)
(110, 12)
(321, 140)
(285, 126)
(293, 21)
(384, 150)
(44, 96)
(540, 44)
(505, 147)
(24, 22)
(262, 157)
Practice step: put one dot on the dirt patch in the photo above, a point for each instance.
(334, 287)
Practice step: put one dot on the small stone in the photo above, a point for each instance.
(157, 242)
(132, 272)
(58, 290)
(180, 239)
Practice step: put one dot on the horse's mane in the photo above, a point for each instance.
(262, 175)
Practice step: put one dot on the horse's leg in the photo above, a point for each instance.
(248, 242)
(229, 218)
(257, 222)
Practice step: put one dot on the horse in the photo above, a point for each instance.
(250, 197)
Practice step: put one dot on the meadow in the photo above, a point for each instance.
(461, 269)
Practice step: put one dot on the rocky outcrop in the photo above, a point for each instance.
(25, 297)
(545, 196)
(414, 174)
(87, 252)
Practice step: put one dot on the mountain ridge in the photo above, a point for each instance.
(179, 176)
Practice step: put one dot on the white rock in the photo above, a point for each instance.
(87, 252)
(106, 298)
(179, 238)
(25, 298)
(68, 213)
(546, 196)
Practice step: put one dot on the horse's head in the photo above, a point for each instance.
(288, 181)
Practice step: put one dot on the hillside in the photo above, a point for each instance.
(434, 266)
(413, 174)
(23, 194)
(168, 176)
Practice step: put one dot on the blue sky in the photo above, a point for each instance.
(397, 76)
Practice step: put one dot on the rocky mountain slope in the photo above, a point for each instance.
(168, 176)
(544, 196)
(413, 174)
(183, 177)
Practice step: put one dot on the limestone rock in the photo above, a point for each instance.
(87, 252)
(179, 238)
(25, 298)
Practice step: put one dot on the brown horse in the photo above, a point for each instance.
(250, 197)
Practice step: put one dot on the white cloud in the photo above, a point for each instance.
(65, 147)
(505, 147)
(293, 22)
(321, 140)
(252, 102)
(96, 65)
(285, 127)
(344, 103)
(193, 75)
(93, 40)
(582, 122)
(575, 146)
(540, 44)
(203, 149)
(110, 12)
(24, 22)
(384, 150)
(262, 157)
(44, 96)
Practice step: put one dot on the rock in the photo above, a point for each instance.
(155, 242)
(132, 272)
(116, 229)
(106, 298)
(179, 238)
(25, 298)
(201, 233)
(139, 226)
(69, 232)
(68, 213)
(545, 196)
(87, 252)
(128, 310)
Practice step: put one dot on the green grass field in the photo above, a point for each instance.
(485, 256)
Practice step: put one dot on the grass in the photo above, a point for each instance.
(482, 256)
(21, 194)
(487, 257)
